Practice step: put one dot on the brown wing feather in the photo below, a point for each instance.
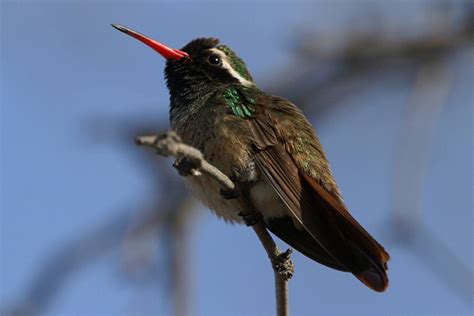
(302, 241)
(286, 176)
(339, 241)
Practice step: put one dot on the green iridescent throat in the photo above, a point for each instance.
(240, 106)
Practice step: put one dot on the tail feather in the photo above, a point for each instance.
(362, 254)
(324, 229)
(285, 229)
(375, 277)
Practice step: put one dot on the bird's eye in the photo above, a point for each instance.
(214, 60)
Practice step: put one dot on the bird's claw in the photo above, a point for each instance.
(283, 264)
(250, 219)
(230, 194)
(185, 167)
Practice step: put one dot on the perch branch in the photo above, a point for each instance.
(169, 144)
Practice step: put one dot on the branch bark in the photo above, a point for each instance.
(170, 144)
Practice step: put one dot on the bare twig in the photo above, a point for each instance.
(169, 144)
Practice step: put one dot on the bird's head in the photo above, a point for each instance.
(200, 64)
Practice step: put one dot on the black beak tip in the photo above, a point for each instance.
(120, 27)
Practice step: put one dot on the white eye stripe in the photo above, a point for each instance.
(227, 66)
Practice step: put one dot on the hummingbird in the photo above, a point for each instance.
(265, 144)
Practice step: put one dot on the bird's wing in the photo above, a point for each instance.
(327, 231)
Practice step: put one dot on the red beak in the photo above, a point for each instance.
(165, 51)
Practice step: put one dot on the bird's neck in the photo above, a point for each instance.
(189, 97)
(190, 91)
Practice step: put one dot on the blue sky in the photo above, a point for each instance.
(63, 66)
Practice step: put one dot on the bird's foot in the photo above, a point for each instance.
(250, 219)
(283, 264)
(186, 167)
(230, 194)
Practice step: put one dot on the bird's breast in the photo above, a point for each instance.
(220, 140)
